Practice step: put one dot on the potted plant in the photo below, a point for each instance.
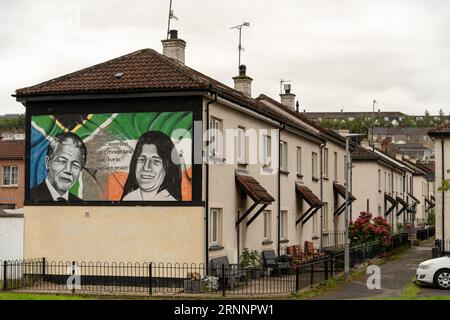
(250, 261)
(193, 283)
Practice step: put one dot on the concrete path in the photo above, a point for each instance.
(395, 274)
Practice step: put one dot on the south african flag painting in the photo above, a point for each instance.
(139, 156)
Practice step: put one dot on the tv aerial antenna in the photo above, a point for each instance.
(171, 16)
(240, 48)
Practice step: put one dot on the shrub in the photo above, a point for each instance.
(431, 219)
(367, 229)
(249, 258)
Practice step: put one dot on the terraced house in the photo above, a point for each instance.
(382, 185)
(142, 158)
(441, 137)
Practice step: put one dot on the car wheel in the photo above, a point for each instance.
(442, 279)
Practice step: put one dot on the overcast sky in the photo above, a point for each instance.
(337, 53)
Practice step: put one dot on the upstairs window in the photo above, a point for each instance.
(215, 126)
(315, 166)
(10, 176)
(283, 156)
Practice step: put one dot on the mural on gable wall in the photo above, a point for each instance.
(144, 156)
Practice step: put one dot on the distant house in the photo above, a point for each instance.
(416, 150)
(12, 134)
(402, 135)
(389, 193)
(391, 116)
(12, 157)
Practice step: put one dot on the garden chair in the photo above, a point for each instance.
(312, 253)
(232, 272)
(278, 264)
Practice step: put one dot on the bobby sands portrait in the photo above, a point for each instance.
(65, 159)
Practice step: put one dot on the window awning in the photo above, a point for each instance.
(340, 190)
(412, 197)
(251, 187)
(304, 193)
(430, 203)
(388, 198)
(404, 205)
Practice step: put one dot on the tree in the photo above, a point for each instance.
(427, 119)
(441, 117)
(445, 185)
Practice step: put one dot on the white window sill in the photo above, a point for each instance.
(10, 186)
(217, 158)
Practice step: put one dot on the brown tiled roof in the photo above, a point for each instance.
(12, 149)
(302, 117)
(340, 189)
(361, 153)
(253, 189)
(142, 70)
(440, 130)
(306, 194)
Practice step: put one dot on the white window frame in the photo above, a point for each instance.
(283, 156)
(299, 161)
(240, 145)
(314, 165)
(215, 127)
(325, 217)
(325, 163)
(335, 166)
(385, 181)
(10, 176)
(389, 183)
(266, 150)
(215, 226)
(379, 180)
(267, 225)
(315, 225)
(284, 225)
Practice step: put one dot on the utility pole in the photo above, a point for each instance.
(346, 233)
(373, 120)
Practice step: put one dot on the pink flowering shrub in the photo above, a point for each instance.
(367, 229)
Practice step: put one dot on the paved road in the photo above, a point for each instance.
(395, 274)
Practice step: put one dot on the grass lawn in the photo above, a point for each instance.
(27, 296)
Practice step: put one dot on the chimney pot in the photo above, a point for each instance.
(173, 34)
(242, 70)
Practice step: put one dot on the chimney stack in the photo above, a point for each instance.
(173, 47)
(243, 83)
(288, 98)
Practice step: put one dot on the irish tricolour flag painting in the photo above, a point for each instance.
(143, 156)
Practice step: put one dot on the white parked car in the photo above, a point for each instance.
(435, 271)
